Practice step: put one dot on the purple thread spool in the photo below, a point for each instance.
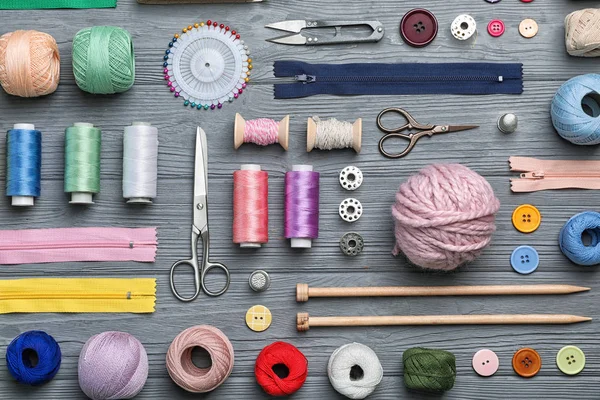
(301, 206)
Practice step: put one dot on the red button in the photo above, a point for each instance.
(418, 27)
(496, 28)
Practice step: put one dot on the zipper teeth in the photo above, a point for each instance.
(82, 296)
(545, 175)
(51, 246)
(452, 78)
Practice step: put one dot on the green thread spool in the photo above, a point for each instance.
(103, 60)
(429, 370)
(82, 162)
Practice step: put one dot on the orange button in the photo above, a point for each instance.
(528, 28)
(526, 218)
(527, 362)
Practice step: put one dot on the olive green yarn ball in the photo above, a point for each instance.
(429, 370)
(103, 60)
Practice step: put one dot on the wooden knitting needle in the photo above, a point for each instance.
(303, 292)
(304, 322)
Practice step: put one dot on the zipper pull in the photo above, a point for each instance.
(532, 175)
(306, 78)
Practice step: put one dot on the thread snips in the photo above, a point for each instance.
(297, 38)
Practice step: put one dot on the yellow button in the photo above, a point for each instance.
(526, 218)
(258, 318)
(528, 28)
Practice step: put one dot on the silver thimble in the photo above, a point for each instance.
(508, 123)
(259, 281)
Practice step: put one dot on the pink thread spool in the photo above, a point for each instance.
(333, 134)
(250, 206)
(262, 131)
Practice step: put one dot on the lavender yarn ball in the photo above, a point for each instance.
(445, 216)
(112, 366)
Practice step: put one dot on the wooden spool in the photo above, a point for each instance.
(311, 135)
(240, 127)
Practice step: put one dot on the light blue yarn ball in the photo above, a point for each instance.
(571, 235)
(576, 110)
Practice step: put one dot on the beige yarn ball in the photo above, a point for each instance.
(582, 33)
(29, 63)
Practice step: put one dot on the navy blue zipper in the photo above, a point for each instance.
(397, 79)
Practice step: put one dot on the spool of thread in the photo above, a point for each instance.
(571, 236)
(575, 110)
(103, 60)
(29, 63)
(333, 134)
(354, 370)
(250, 206)
(33, 358)
(112, 365)
(582, 33)
(429, 370)
(262, 131)
(301, 206)
(82, 162)
(183, 371)
(281, 369)
(140, 163)
(445, 216)
(23, 164)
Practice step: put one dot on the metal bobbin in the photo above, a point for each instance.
(463, 27)
(350, 209)
(352, 244)
(351, 178)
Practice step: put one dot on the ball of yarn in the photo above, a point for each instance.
(281, 369)
(181, 367)
(33, 357)
(29, 63)
(575, 110)
(429, 370)
(582, 33)
(103, 60)
(354, 370)
(571, 235)
(112, 365)
(445, 216)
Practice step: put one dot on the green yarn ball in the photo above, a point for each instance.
(429, 370)
(103, 60)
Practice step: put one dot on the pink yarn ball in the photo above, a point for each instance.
(445, 216)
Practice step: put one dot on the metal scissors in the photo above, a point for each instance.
(297, 26)
(412, 137)
(200, 228)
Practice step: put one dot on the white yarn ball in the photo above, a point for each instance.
(345, 367)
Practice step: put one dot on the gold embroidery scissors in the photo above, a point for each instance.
(419, 130)
(200, 228)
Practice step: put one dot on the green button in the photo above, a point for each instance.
(570, 360)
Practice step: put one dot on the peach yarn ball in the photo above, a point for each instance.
(29, 63)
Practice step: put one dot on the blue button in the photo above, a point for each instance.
(524, 259)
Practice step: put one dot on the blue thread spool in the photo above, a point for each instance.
(23, 164)
(33, 357)
(575, 110)
(571, 238)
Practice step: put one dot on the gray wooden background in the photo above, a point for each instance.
(486, 150)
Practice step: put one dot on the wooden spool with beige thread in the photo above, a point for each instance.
(313, 136)
(240, 125)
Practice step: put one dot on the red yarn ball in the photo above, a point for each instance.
(281, 353)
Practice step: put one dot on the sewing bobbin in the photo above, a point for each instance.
(240, 127)
(311, 135)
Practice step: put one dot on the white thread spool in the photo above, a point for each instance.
(333, 134)
(82, 197)
(301, 243)
(354, 370)
(23, 201)
(250, 167)
(463, 27)
(140, 163)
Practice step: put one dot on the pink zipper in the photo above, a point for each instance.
(539, 175)
(77, 244)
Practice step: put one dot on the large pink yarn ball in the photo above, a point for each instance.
(445, 216)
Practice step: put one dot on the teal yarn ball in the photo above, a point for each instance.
(103, 60)
(575, 110)
(429, 370)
